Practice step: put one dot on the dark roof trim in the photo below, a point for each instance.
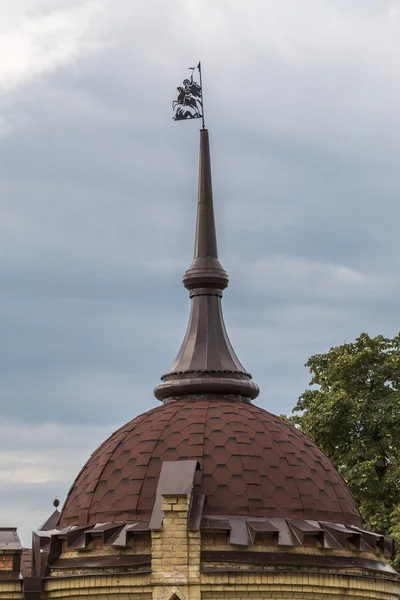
(291, 533)
(9, 540)
(9, 576)
(241, 530)
(33, 587)
(51, 522)
(196, 512)
(131, 560)
(176, 479)
(294, 560)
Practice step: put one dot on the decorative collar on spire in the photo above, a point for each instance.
(206, 363)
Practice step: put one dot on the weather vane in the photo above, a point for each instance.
(189, 103)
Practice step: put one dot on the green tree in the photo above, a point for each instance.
(353, 414)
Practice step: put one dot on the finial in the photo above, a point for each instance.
(206, 363)
(56, 503)
(189, 103)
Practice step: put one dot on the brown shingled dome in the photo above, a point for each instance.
(251, 463)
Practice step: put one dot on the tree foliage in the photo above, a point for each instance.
(353, 414)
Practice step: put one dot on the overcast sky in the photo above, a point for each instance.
(97, 206)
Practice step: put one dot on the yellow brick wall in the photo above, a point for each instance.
(6, 562)
(175, 553)
(309, 586)
(123, 586)
(176, 572)
(11, 590)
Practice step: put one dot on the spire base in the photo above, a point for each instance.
(206, 383)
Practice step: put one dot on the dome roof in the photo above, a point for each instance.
(251, 463)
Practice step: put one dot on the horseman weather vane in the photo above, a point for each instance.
(189, 103)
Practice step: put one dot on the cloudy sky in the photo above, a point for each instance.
(97, 206)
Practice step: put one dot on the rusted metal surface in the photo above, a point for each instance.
(252, 463)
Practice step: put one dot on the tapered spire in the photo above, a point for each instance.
(206, 363)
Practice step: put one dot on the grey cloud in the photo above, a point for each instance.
(97, 208)
(37, 464)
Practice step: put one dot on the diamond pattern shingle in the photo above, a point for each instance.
(252, 463)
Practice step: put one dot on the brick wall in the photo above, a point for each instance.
(175, 553)
(6, 562)
(176, 572)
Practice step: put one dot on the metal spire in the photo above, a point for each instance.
(206, 363)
